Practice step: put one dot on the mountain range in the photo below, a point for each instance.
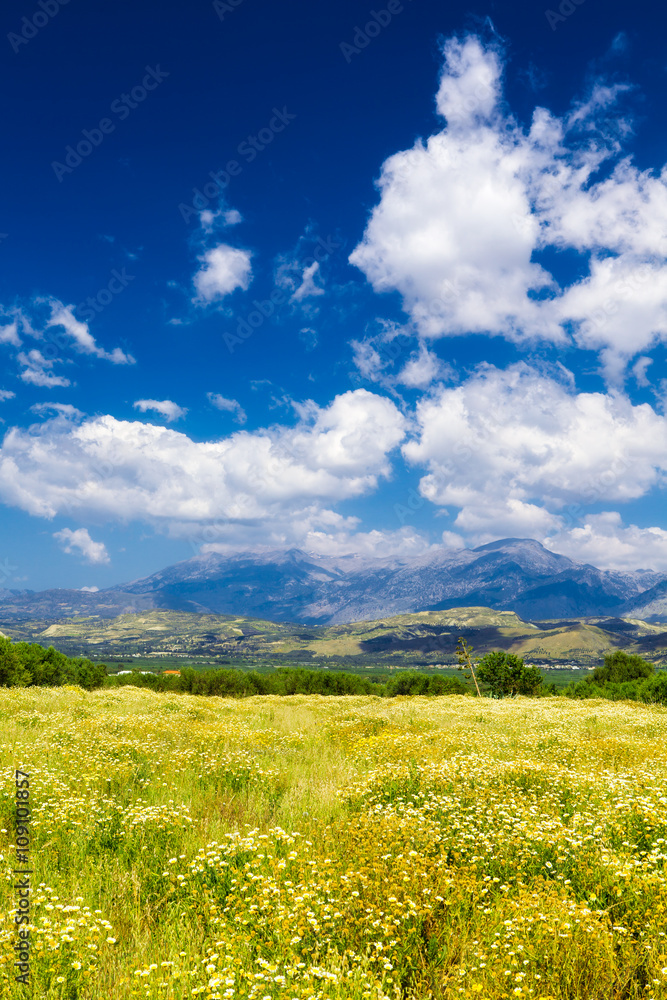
(514, 574)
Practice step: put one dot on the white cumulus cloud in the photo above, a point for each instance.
(61, 409)
(51, 322)
(308, 287)
(463, 216)
(9, 334)
(224, 269)
(36, 370)
(510, 450)
(165, 407)
(470, 83)
(604, 541)
(228, 405)
(423, 368)
(79, 542)
(268, 487)
(80, 335)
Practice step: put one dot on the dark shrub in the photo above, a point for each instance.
(620, 667)
(506, 674)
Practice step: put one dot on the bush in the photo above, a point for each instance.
(29, 664)
(654, 688)
(582, 689)
(622, 677)
(411, 683)
(620, 667)
(506, 674)
(12, 670)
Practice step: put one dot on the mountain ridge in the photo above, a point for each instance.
(519, 575)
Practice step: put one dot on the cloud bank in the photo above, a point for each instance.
(272, 486)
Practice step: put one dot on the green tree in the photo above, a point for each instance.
(622, 677)
(28, 663)
(619, 667)
(13, 671)
(87, 674)
(506, 674)
(654, 689)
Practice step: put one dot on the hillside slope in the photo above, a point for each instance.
(422, 638)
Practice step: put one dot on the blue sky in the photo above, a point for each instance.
(356, 279)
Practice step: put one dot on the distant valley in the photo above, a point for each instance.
(295, 607)
(423, 639)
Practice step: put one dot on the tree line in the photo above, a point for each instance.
(291, 680)
(622, 676)
(23, 664)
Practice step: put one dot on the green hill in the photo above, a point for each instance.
(423, 638)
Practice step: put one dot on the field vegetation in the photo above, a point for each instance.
(359, 847)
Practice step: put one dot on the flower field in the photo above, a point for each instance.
(309, 847)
